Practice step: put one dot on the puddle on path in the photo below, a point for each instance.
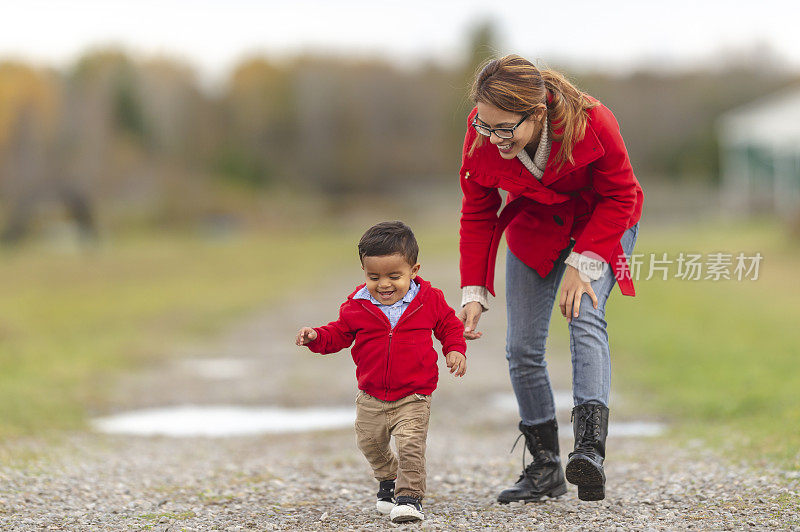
(564, 402)
(635, 429)
(223, 421)
(508, 402)
(217, 368)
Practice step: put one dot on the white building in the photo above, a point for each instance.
(760, 156)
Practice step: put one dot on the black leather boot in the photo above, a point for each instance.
(543, 476)
(585, 464)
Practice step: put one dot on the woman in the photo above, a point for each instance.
(572, 212)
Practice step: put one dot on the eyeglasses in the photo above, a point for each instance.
(501, 132)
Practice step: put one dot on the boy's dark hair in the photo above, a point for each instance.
(388, 238)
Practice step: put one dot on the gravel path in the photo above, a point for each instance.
(319, 480)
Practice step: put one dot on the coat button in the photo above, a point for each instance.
(557, 219)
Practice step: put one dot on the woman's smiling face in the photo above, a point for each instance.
(527, 132)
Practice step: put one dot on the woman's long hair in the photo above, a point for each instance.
(514, 84)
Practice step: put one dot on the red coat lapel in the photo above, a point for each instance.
(584, 152)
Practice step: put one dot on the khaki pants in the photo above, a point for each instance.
(407, 420)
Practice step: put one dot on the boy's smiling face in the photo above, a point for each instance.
(388, 277)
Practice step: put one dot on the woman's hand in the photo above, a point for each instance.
(469, 316)
(572, 289)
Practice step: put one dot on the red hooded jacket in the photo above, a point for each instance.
(594, 200)
(394, 363)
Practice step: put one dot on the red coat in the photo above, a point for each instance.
(394, 363)
(593, 200)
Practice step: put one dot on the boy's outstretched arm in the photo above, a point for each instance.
(327, 339)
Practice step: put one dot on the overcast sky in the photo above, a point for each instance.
(213, 35)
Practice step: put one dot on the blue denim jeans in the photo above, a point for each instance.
(530, 299)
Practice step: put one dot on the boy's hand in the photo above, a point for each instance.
(305, 335)
(457, 363)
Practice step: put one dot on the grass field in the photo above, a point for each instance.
(718, 358)
(70, 322)
(721, 358)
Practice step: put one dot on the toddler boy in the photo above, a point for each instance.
(390, 318)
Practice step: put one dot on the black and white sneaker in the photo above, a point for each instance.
(407, 509)
(385, 502)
